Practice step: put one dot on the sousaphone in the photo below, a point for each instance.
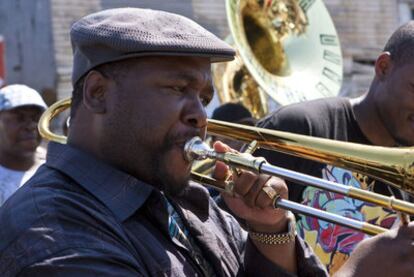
(288, 51)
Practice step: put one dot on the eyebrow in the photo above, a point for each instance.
(181, 75)
(190, 78)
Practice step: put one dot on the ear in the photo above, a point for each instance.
(383, 65)
(95, 90)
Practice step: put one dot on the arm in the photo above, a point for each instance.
(253, 205)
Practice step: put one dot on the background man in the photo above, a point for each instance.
(384, 116)
(20, 156)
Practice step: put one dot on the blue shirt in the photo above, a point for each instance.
(81, 217)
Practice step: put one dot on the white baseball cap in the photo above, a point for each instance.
(14, 96)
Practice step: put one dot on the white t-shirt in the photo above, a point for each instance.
(11, 180)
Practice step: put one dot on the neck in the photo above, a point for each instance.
(18, 163)
(370, 121)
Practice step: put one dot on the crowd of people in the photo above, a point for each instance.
(117, 199)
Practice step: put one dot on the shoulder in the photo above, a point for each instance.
(48, 214)
(304, 117)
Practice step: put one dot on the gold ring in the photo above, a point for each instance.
(229, 187)
(270, 192)
(237, 171)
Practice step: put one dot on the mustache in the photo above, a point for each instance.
(180, 138)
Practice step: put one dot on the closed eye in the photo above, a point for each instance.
(205, 101)
(178, 88)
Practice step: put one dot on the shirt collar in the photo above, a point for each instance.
(122, 193)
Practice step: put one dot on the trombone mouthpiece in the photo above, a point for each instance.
(196, 149)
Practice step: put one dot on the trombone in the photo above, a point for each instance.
(394, 166)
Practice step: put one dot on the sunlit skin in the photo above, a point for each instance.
(140, 122)
(19, 137)
(372, 256)
(386, 113)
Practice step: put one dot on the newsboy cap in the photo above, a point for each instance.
(118, 34)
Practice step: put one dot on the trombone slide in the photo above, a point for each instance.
(196, 149)
(364, 227)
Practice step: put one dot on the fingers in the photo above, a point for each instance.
(279, 188)
(407, 231)
(259, 190)
(221, 171)
(222, 148)
(255, 190)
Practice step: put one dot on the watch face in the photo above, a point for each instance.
(290, 47)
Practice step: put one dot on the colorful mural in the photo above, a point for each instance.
(333, 243)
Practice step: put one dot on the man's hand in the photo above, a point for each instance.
(250, 202)
(388, 254)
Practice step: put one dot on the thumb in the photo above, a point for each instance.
(220, 147)
(221, 170)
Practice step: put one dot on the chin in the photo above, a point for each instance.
(172, 183)
(174, 171)
(176, 187)
(28, 151)
(29, 145)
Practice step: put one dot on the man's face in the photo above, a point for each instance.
(156, 106)
(18, 131)
(395, 103)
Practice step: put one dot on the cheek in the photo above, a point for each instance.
(9, 134)
(175, 165)
(162, 120)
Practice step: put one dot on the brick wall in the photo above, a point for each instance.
(212, 15)
(363, 28)
(182, 7)
(64, 14)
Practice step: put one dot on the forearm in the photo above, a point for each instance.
(256, 264)
(283, 254)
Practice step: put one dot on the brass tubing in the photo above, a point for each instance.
(364, 227)
(196, 149)
(394, 166)
(382, 200)
(46, 118)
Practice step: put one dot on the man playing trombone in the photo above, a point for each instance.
(383, 116)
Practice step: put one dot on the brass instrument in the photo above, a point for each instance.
(391, 165)
(287, 51)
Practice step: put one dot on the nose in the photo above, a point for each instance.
(195, 114)
(30, 124)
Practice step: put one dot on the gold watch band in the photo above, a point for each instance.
(279, 238)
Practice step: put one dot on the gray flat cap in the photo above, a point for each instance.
(117, 34)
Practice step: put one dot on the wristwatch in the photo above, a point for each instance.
(277, 238)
